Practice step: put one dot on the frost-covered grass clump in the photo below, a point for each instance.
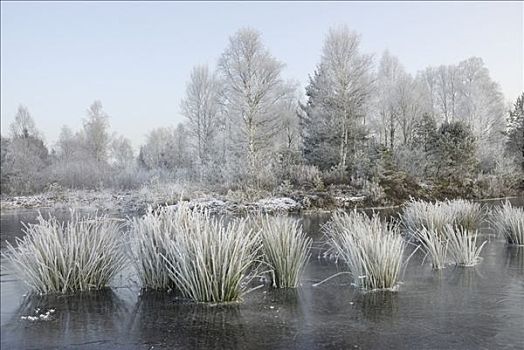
(465, 214)
(80, 255)
(211, 260)
(372, 248)
(509, 221)
(285, 249)
(434, 245)
(418, 215)
(148, 237)
(462, 245)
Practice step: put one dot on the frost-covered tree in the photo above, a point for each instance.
(253, 89)
(201, 107)
(23, 124)
(338, 93)
(453, 151)
(480, 102)
(68, 145)
(465, 92)
(25, 156)
(166, 149)
(398, 102)
(122, 155)
(96, 136)
(515, 132)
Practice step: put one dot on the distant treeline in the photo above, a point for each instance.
(365, 123)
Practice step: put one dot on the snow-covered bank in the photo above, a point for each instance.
(152, 197)
(139, 201)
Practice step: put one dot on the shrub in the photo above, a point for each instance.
(372, 248)
(509, 221)
(285, 249)
(305, 175)
(82, 254)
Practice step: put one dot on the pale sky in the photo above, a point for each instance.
(136, 57)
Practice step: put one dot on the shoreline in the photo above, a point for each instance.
(140, 201)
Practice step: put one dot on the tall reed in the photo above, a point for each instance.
(57, 257)
(285, 249)
(509, 221)
(372, 248)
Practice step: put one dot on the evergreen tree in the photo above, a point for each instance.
(515, 142)
(454, 151)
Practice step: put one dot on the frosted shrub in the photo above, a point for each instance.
(372, 248)
(285, 249)
(509, 221)
(305, 175)
(82, 254)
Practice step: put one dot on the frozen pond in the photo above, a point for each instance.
(455, 308)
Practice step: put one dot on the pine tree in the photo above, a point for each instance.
(515, 142)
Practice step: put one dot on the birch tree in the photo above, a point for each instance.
(338, 94)
(252, 91)
(201, 107)
(96, 133)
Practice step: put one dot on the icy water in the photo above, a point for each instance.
(456, 308)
